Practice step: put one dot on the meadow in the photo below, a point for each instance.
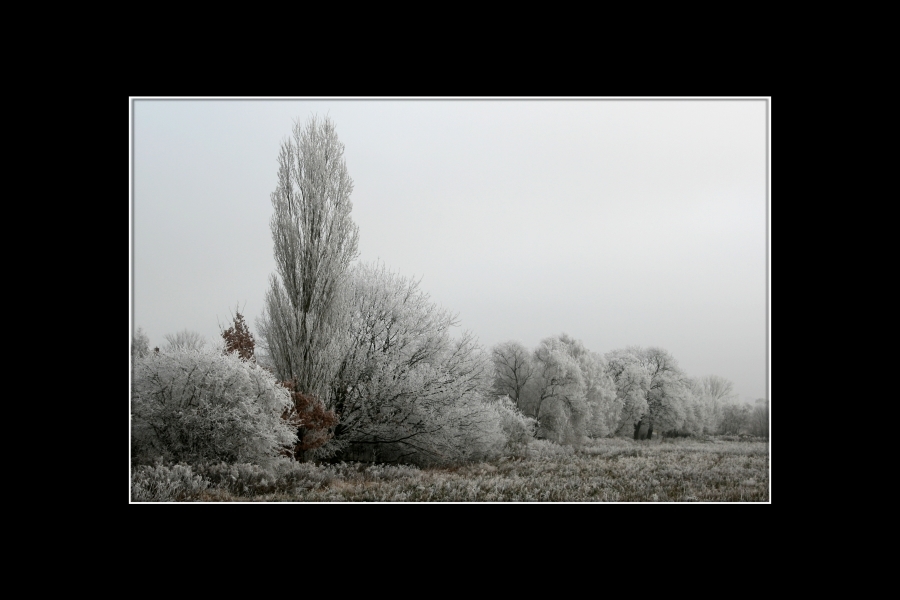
(707, 469)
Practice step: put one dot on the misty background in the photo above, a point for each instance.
(619, 222)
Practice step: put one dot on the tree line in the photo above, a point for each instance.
(574, 393)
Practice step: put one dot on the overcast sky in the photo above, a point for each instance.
(619, 222)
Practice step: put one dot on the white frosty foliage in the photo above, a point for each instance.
(652, 387)
(566, 387)
(315, 240)
(195, 405)
(140, 344)
(513, 369)
(406, 387)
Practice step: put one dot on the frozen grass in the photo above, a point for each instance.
(608, 470)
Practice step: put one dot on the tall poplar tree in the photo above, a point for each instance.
(314, 240)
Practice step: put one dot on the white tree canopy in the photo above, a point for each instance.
(402, 379)
(651, 387)
(570, 393)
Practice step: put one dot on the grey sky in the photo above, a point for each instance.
(619, 222)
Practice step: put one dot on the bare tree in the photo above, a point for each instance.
(512, 369)
(735, 418)
(716, 393)
(759, 418)
(315, 240)
(184, 340)
(140, 344)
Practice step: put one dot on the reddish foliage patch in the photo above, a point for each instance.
(312, 420)
(238, 338)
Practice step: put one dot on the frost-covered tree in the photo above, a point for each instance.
(698, 414)
(632, 382)
(184, 340)
(735, 418)
(140, 344)
(599, 390)
(191, 405)
(707, 398)
(571, 394)
(556, 395)
(405, 388)
(314, 241)
(718, 388)
(759, 418)
(716, 393)
(653, 389)
(513, 369)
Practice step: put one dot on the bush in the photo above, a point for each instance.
(159, 483)
(192, 406)
(548, 449)
(280, 477)
(735, 419)
(517, 428)
(210, 481)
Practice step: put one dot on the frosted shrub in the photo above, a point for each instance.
(547, 449)
(166, 484)
(198, 405)
(478, 429)
(281, 476)
(359, 473)
(518, 429)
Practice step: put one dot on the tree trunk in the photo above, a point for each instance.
(537, 415)
(637, 429)
(650, 431)
(299, 453)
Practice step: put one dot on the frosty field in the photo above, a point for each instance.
(714, 469)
